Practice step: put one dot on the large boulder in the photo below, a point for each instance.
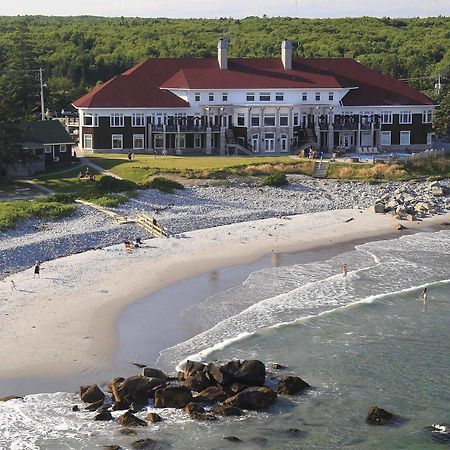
(251, 373)
(197, 381)
(231, 367)
(149, 444)
(253, 398)
(91, 394)
(378, 416)
(226, 410)
(291, 385)
(133, 390)
(214, 374)
(173, 397)
(213, 394)
(378, 208)
(153, 417)
(115, 382)
(103, 416)
(154, 373)
(192, 366)
(130, 420)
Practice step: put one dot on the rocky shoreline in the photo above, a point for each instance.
(200, 207)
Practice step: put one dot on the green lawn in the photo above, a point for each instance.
(144, 166)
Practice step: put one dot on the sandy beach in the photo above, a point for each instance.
(65, 321)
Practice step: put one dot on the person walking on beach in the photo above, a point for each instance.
(13, 286)
(37, 270)
(344, 270)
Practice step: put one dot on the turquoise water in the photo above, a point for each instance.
(360, 341)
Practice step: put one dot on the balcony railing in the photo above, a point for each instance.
(345, 126)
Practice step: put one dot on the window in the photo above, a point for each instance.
(116, 120)
(138, 141)
(197, 140)
(250, 96)
(241, 120)
(296, 120)
(87, 141)
(330, 96)
(90, 120)
(317, 96)
(284, 120)
(269, 120)
(62, 148)
(427, 116)
(405, 137)
(429, 138)
(159, 141)
(197, 97)
(211, 97)
(264, 97)
(138, 120)
(279, 97)
(405, 117)
(304, 96)
(386, 117)
(224, 96)
(48, 148)
(255, 120)
(117, 141)
(225, 121)
(180, 141)
(385, 138)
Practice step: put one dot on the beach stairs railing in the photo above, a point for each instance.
(150, 225)
(117, 217)
(320, 169)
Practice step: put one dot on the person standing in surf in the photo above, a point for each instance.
(344, 270)
(37, 270)
(424, 295)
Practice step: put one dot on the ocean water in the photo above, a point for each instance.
(364, 340)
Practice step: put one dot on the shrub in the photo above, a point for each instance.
(164, 184)
(111, 184)
(108, 201)
(58, 198)
(276, 179)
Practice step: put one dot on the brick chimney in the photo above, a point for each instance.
(286, 54)
(222, 53)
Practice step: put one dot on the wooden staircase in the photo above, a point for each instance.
(320, 169)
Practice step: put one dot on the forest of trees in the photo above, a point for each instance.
(79, 52)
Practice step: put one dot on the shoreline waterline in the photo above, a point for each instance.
(183, 265)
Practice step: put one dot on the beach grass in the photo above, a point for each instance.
(144, 166)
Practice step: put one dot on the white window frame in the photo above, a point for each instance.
(197, 97)
(405, 117)
(386, 117)
(296, 119)
(318, 96)
(180, 140)
(210, 96)
(255, 116)
(269, 116)
(117, 137)
(138, 136)
(197, 141)
(63, 148)
(429, 138)
(157, 138)
(284, 116)
(116, 120)
(240, 116)
(331, 96)
(250, 97)
(264, 97)
(87, 137)
(279, 96)
(427, 116)
(386, 138)
(404, 134)
(138, 120)
(47, 149)
(94, 121)
(225, 96)
(304, 96)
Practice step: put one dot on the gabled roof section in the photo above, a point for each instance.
(148, 84)
(46, 132)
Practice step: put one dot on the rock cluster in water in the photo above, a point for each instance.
(203, 391)
(409, 203)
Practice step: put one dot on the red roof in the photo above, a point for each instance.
(146, 84)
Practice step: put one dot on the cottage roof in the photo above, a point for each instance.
(148, 84)
(40, 132)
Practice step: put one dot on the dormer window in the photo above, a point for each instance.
(250, 96)
(317, 96)
(211, 97)
(304, 96)
(116, 120)
(330, 96)
(264, 97)
(279, 97)
(225, 96)
(138, 120)
(197, 97)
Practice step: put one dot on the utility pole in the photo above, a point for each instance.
(41, 83)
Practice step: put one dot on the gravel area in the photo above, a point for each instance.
(193, 208)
